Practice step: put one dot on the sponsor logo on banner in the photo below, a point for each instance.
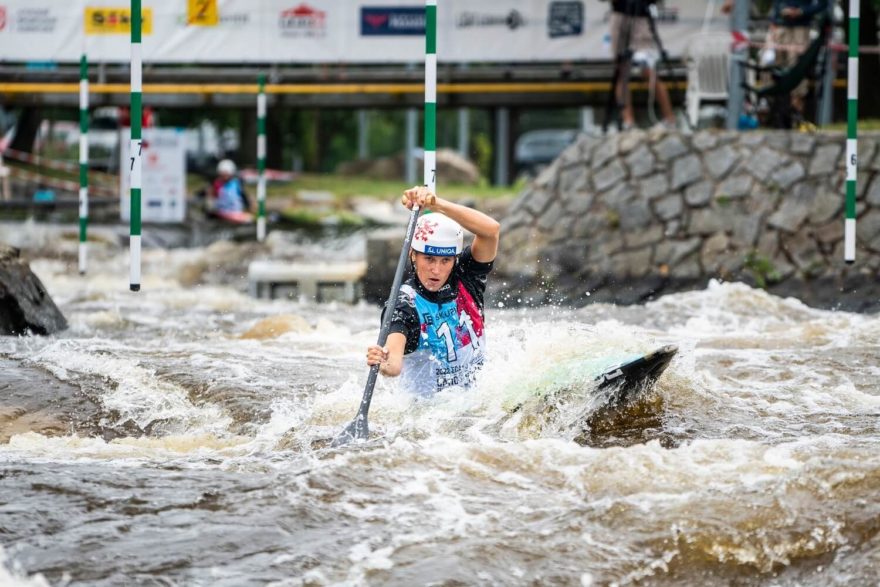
(566, 19)
(2, 17)
(103, 20)
(224, 19)
(512, 20)
(202, 12)
(392, 20)
(34, 20)
(303, 21)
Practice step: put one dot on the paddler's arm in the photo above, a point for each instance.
(486, 230)
(389, 359)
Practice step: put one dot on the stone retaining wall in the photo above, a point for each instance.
(627, 217)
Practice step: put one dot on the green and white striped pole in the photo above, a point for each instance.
(135, 147)
(431, 95)
(261, 159)
(83, 159)
(852, 125)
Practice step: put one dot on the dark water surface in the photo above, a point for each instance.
(151, 444)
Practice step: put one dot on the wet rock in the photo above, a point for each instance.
(639, 238)
(713, 251)
(538, 201)
(746, 229)
(609, 176)
(764, 162)
(654, 186)
(788, 175)
(698, 194)
(690, 208)
(686, 171)
(779, 140)
(802, 143)
(635, 214)
(736, 186)
(33, 400)
(719, 161)
(668, 207)
(794, 210)
(670, 148)
(25, 305)
(873, 195)
(825, 159)
(826, 206)
(572, 179)
(672, 252)
(704, 140)
(551, 217)
(640, 161)
(578, 202)
(604, 153)
(705, 221)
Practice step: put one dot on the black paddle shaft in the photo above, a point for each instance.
(359, 429)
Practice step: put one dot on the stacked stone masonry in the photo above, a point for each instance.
(630, 216)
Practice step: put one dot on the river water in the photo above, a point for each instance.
(153, 444)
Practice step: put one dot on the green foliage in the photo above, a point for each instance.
(763, 7)
(301, 216)
(387, 130)
(613, 219)
(762, 269)
(482, 153)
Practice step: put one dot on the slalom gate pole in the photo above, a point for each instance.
(430, 170)
(852, 124)
(83, 159)
(135, 147)
(261, 159)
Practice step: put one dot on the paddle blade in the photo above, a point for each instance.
(357, 430)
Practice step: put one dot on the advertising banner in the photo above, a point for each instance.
(330, 31)
(163, 176)
(114, 21)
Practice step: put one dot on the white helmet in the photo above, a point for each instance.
(226, 166)
(438, 235)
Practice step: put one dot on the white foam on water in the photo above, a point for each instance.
(189, 447)
(11, 574)
(138, 395)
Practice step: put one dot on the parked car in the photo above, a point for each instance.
(105, 128)
(537, 148)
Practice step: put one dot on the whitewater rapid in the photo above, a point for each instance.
(179, 436)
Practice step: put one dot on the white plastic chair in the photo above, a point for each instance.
(707, 58)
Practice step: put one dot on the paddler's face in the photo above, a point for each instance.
(433, 272)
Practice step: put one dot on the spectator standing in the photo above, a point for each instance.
(632, 41)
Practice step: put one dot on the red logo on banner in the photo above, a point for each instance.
(2, 17)
(376, 20)
(302, 11)
(303, 21)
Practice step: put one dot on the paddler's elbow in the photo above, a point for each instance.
(494, 229)
(389, 369)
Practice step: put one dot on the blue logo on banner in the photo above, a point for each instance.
(566, 19)
(392, 20)
(440, 251)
